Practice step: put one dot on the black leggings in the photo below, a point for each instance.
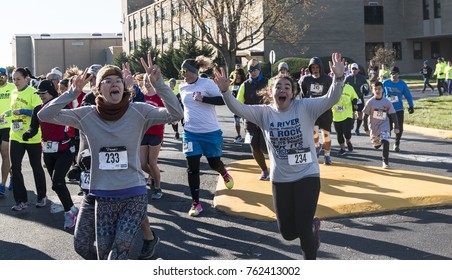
(400, 119)
(295, 205)
(16, 153)
(193, 163)
(343, 129)
(58, 165)
(259, 148)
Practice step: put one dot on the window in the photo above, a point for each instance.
(435, 49)
(397, 47)
(436, 8)
(142, 20)
(132, 45)
(134, 23)
(164, 13)
(148, 16)
(157, 14)
(184, 7)
(158, 41)
(208, 26)
(176, 35)
(425, 10)
(130, 25)
(373, 15)
(371, 48)
(175, 9)
(198, 32)
(165, 38)
(184, 34)
(417, 50)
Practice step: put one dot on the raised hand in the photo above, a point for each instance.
(152, 70)
(127, 74)
(221, 79)
(337, 65)
(79, 81)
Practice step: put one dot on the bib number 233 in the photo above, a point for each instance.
(113, 158)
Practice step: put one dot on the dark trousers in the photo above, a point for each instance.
(16, 152)
(295, 205)
(343, 130)
(400, 119)
(58, 165)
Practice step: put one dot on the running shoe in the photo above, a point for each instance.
(228, 181)
(176, 136)
(195, 209)
(148, 249)
(10, 187)
(157, 193)
(350, 146)
(264, 176)
(357, 133)
(341, 152)
(318, 150)
(41, 202)
(396, 148)
(2, 190)
(385, 165)
(238, 139)
(70, 217)
(316, 226)
(327, 160)
(19, 206)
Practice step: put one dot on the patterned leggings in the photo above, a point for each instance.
(118, 220)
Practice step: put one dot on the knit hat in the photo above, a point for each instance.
(93, 69)
(47, 86)
(395, 69)
(425, 61)
(253, 64)
(107, 70)
(283, 65)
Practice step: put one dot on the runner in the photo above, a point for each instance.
(378, 110)
(288, 126)
(202, 133)
(5, 124)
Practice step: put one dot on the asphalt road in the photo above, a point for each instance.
(414, 234)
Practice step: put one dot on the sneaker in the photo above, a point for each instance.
(341, 152)
(157, 193)
(148, 249)
(2, 190)
(19, 206)
(316, 225)
(385, 165)
(264, 176)
(195, 209)
(176, 136)
(350, 146)
(10, 187)
(228, 181)
(70, 217)
(238, 139)
(41, 202)
(396, 148)
(357, 133)
(318, 150)
(327, 160)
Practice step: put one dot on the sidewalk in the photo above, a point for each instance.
(347, 189)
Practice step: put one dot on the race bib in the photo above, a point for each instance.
(17, 125)
(340, 109)
(379, 115)
(85, 179)
(187, 147)
(393, 98)
(49, 147)
(299, 158)
(113, 158)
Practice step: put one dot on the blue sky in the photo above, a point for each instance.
(56, 16)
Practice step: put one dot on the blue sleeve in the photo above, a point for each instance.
(27, 112)
(139, 96)
(408, 96)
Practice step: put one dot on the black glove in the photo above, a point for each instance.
(26, 136)
(411, 110)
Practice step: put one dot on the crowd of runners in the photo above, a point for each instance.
(76, 124)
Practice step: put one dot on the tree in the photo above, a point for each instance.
(384, 56)
(142, 50)
(120, 59)
(234, 25)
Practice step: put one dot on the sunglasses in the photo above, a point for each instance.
(354, 68)
(394, 73)
(182, 71)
